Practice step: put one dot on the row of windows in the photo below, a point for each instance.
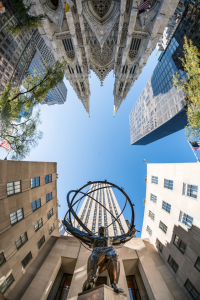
(10, 279)
(23, 239)
(183, 217)
(165, 206)
(15, 186)
(188, 189)
(181, 246)
(18, 215)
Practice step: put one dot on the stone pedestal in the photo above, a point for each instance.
(101, 292)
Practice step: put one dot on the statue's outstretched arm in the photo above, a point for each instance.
(123, 238)
(85, 237)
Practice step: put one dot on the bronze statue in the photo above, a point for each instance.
(103, 256)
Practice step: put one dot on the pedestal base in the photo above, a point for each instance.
(101, 292)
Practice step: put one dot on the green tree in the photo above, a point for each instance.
(24, 135)
(21, 136)
(24, 19)
(191, 88)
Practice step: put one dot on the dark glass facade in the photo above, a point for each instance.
(160, 109)
(16, 51)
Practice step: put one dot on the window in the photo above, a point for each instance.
(27, 259)
(186, 219)
(6, 284)
(41, 242)
(154, 179)
(159, 245)
(153, 198)
(132, 287)
(2, 259)
(50, 214)
(190, 190)
(48, 197)
(172, 264)
(16, 216)
(48, 178)
(38, 225)
(51, 229)
(179, 244)
(166, 206)
(36, 204)
(197, 264)
(163, 227)
(1, 50)
(168, 184)
(149, 230)
(151, 215)
(9, 52)
(13, 187)
(191, 289)
(35, 182)
(21, 240)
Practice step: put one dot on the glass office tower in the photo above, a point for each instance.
(160, 111)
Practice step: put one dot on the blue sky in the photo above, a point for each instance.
(98, 148)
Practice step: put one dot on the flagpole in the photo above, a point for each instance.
(193, 151)
(7, 154)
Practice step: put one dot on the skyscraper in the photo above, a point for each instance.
(172, 221)
(42, 56)
(94, 215)
(160, 109)
(104, 35)
(171, 27)
(16, 51)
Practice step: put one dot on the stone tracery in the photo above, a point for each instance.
(105, 35)
(101, 7)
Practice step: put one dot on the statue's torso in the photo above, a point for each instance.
(101, 242)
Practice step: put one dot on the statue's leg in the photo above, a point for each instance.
(92, 272)
(113, 267)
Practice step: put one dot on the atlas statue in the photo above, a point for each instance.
(104, 254)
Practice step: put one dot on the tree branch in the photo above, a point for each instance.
(34, 87)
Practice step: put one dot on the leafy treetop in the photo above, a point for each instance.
(191, 88)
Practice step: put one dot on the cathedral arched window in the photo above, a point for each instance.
(121, 86)
(134, 48)
(69, 48)
(132, 70)
(78, 69)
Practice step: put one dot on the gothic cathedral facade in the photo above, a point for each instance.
(103, 35)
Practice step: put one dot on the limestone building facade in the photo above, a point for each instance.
(172, 223)
(102, 36)
(60, 268)
(28, 219)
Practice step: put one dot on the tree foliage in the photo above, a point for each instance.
(191, 88)
(24, 135)
(24, 19)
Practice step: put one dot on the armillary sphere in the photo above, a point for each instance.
(74, 201)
